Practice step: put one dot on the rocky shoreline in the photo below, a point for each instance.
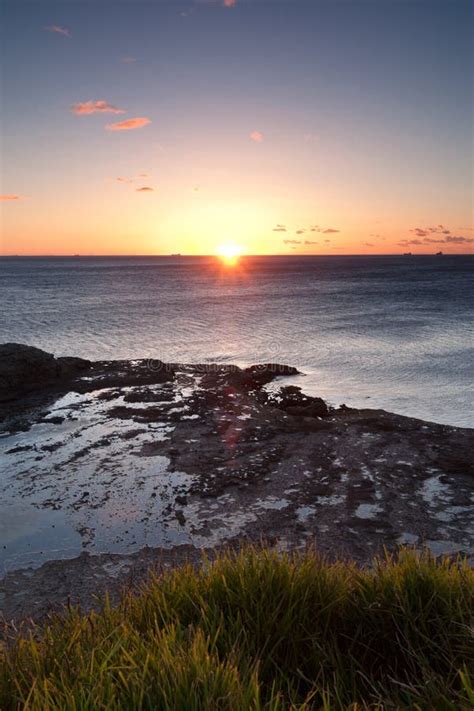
(111, 468)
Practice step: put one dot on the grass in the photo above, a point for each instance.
(260, 630)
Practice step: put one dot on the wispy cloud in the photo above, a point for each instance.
(129, 124)
(256, 136)
(369, 244)
(9, 198)
(129, 60)
(145, 189)
(425, 231)
(312, 228)
(419, 232)
(443, 236)
(292, 241)
(308, 241)
(58, 30)
(450, 239)
(459, 240)
(139, 177)
(95, 107)
(327, 230)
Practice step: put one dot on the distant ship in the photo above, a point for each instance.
(438, 254)
(178, 254)
(407, 254)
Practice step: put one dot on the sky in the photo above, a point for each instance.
(278, 126)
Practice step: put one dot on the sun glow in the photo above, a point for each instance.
(229, 252)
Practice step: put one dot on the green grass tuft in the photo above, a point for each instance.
(260, 630)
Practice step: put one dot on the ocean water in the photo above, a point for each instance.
(391, 332)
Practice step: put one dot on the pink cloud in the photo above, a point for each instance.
(129, 124)
(95, 107)
(229, 3)
(256, 136)
(123, 180)
(59, 30)
(7, 198)
(330, 231)
(144, 190)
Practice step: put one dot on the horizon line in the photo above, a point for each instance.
(242, 256)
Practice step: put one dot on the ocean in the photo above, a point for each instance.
(394, 332)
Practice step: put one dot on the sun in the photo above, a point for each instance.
(229, 252)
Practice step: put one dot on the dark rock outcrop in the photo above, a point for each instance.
(248, 379)
(295, 402)
(25, 368)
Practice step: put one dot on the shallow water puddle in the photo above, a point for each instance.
(76, 481)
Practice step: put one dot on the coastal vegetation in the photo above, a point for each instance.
(257, 629)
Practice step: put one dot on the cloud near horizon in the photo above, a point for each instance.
(58, 30)
(256, 136)
(11, 197)
(95, 107)
(308, 241)
(291, 241)
(302, 230)
(427, 235)
(425, 231)
(129, 124)
(145, 189)
(450, 239)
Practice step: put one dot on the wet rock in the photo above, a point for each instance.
(147, 395)
(25, 368)
(316, 408)
(125, 373)
(266, 372)
(295, 402)
(139, 414)
(247, 379)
